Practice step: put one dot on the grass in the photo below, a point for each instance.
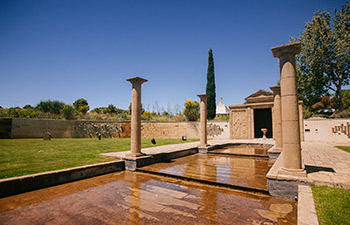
(344, 148)
(27, 156)
(332, 205)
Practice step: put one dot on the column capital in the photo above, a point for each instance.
(136, 80)
(276, 89)
(203, 96)
(293, 48)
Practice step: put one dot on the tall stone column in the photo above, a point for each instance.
(203, 121)
(301, 121)
(290, 112)
(277, 118)
(136, 116)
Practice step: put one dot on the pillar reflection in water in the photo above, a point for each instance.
(135, 199)
(208, 198)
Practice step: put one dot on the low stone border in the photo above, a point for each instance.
(17, 185)
(306, 206)
(281, 185)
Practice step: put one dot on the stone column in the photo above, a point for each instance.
(277, 118)
(203, 121)
(136, 116)
(290, 112)
(301, 120)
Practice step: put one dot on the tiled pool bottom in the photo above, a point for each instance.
(135, 198)
(240, 171)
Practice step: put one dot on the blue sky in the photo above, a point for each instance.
(70, 49)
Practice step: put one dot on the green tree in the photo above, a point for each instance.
(345, 97)
(210, 90)
(49, 106)
(112, 108)
(323, 64)
(191, 110)
(68, 112)
(81, 105)
(44, 106)
(57, 107)
(27, 107)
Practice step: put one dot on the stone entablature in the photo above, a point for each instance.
(260, 96)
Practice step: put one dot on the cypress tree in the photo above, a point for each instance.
(211, 102)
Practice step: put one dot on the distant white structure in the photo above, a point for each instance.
(221, 108)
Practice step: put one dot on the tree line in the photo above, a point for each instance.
(80, 109)
(324, 61)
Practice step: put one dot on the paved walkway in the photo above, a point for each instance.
(326, 164)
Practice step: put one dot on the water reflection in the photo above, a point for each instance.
(244, 149)
(136, 198)
(235, 170)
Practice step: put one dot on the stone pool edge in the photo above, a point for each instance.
(18, 185)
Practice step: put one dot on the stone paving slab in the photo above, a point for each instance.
(324, 163)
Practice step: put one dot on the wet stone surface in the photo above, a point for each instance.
(134, 198)
(244, 150)
(234, 170)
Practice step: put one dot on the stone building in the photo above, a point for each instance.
(247, 120)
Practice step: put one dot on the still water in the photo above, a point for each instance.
(138, 198)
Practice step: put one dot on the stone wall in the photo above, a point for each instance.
(335, 131)
(5, 128)
(170, 130)
(36, 128)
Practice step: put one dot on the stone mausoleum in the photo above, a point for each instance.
(247, 120)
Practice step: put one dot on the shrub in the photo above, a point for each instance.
(49, 106)
(222, 118)
(81, 105)
(146, 116)
(3, 112)
(28, 107)
(344, 114)
(83, 109)
(44, 106)
(68, 112)
(191, 110)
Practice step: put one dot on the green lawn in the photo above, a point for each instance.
(27, 156)
(345, 148)
(332, 205)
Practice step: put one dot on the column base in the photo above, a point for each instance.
(292, 172)
(135, 155)
(274, 152)
(132, 162)
(203, 148)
